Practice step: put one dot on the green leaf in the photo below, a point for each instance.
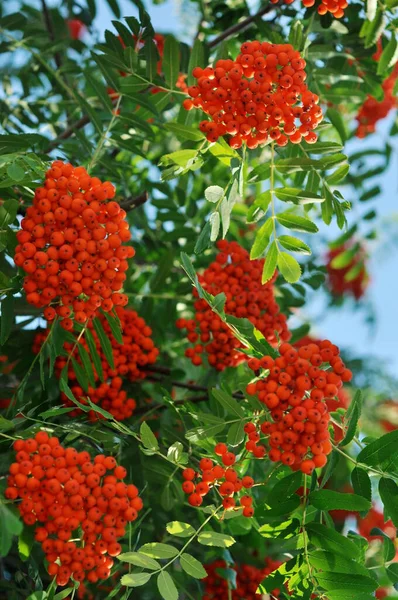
(296, 195)
(297, 223)
(25, 543)
(336, 119)
(94, 354)
(80, 374)
(148, 437)
(329, 539)
(339, 175)
(184, 132)
(328, 561)
(211, 538)
(197, 59)
(158, 550)
(203, 240)
(375, 28)
(171, 61)
(296, 164)
(180, 529)
(151, 59)
(388, 490)
(392, 572)
(346, 582)
(324, 147)
(86, 362)
(286, 487)
(215, 223)
(106, 346)
(7, 318)
(10, 526)
(361, 483)
(330, 500)
(380, 450)
(139, 560)
(180, 158)
(115, 325)
(389, 55)
(214, 193)
(63, 386)
(352, 417)
(230, 404)
(166, 586)
(135, 579)
(15, 171)
(262, 239)
(236, 434)
(344, 258)
(192, 566)
(294, 244)
(270, 263)
(289, 267)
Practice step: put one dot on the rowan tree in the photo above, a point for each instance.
(172, 424)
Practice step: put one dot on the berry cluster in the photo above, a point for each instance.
(375, 519)
(130, 358)
(374, 110)
(295, 389)
(70, 246)
(351, 279)
(239, 278)
(248, 578)
(335, 7)
(221, 477)
(260, 96)
(65, 490)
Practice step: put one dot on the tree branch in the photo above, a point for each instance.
(67, 133)
(51, 33)
(240, 26)
(144, 409)
(132, 203)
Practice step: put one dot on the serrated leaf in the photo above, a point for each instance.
(380, 450)
(115, 325)
(297, 223)
(180, 529)
(214, 193)
(148, 437)
(352, 417)
(270, 263)
(376, 27)
(215, 225)
(135, 579)
(288, 267)
(7, 318)
(389, 55)
(158, 550)
(296, 164)
(166, 586)
(338, 123)
(339, 175)
(197, 59)
(184, 132)
(211, 538)
(331, 500)
(106, 346)
(345, 582)
(297, 196)
(139, 560)
(388, 490)
(294, 244)
(328, 561)
(230, 404)
(86, 362)
(203, 240)
(361, 483)
(262, 239)
(329, 539)
(236, 434)
(94, 354)
(192, 566)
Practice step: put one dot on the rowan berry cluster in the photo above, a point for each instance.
(260, 96)
(130, 359)
(223, 478)
(248, 578)
(335, 7)
(351, 279)
(70, 246)
(239, 278)
(295, 389)
(375, 519)
(64, 490)
(374, 110)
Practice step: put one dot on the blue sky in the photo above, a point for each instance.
(345, 326)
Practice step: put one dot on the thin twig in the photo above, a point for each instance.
(51, 33)
(67, 133)
(132, 203)
(239, 26)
